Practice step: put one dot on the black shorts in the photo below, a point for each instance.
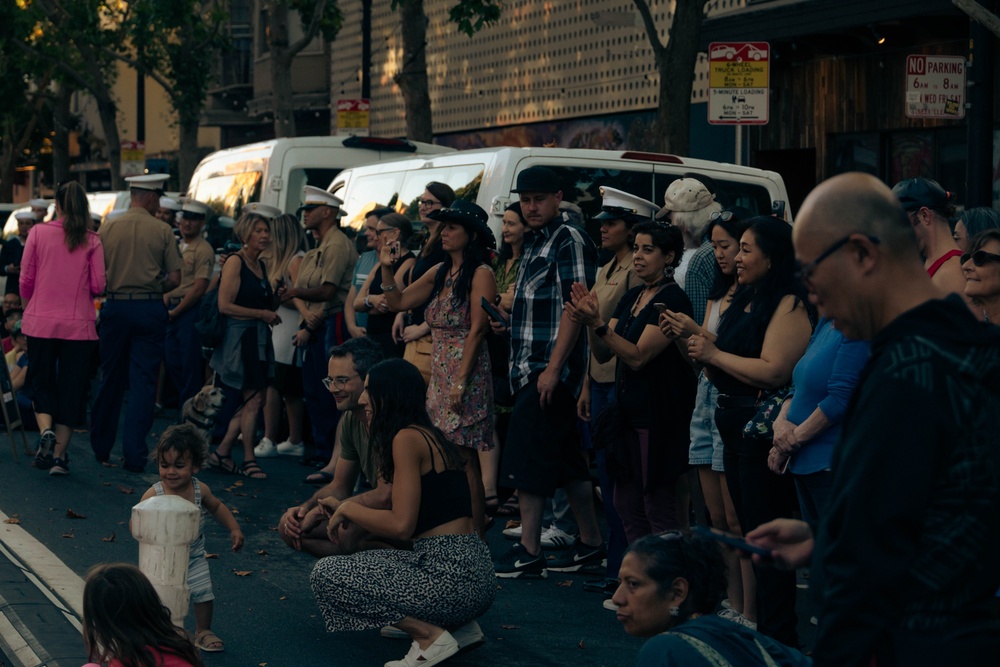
(288, 380)
(543, 446)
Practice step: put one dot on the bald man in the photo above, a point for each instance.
(907, 558)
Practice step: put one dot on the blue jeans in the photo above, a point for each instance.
(132, 340)
(323, 413)
(182, 355)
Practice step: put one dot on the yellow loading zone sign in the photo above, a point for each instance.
(738, 83)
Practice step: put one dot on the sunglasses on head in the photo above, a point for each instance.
(981, 257)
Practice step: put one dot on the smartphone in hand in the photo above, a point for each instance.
(660, 307)
(492, 312)
(732, 541)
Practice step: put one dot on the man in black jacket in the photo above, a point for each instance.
(907, 558)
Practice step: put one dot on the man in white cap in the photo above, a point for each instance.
(142, 263)
(168, 210)
(40, 208)
(182, 352)
(320, 290)
(688, 204)
(13, 249)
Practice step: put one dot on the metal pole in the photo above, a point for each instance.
(979, 174)
(366, 49)
(738, 158)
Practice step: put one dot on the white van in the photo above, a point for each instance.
(274, 172)
(486, 176)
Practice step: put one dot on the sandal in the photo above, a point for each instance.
(510, 508)
(492, 505)
(252, 470)
(320, 478)
(224, 463)
(208, 641)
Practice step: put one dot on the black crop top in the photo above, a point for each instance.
(444, 496)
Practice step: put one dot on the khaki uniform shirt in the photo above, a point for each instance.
(138, 251)
(331, 263)
(199, 262)
(610, 287)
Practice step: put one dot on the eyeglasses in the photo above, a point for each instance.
(428, 202)
(379, 232)
(804, 271)
(338, 382)
(981, 257)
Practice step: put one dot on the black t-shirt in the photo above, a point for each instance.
(635, 389)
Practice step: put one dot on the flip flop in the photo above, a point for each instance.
(224, 463)
(252, 470)
(320, 478)
(208, 641)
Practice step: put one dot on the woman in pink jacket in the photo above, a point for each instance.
(61, 272)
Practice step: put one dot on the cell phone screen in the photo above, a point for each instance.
(734, 541)
(660, 306)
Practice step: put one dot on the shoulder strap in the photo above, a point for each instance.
(158, 487)
(430, 444)
(197, 491)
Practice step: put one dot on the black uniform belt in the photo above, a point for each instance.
(133, 296)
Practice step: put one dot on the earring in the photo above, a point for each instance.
(668, 272)
(675, 611)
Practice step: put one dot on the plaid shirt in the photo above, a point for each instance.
(699, 279)
(554, 257)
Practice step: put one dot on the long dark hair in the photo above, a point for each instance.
(447, 197)
(506, 249)
(72, 201)
(743, 334)
(734, 226)
(123, 619)
(474, 255)
(672, 555)
(397, 398)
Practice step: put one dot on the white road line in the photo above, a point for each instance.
(13, 639)
(55, 576)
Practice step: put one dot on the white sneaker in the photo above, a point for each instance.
(287, 448)
(554, 538)
(469, 636)
(737, 617)
(512, 533)
(610, 606)
(265, 448)
(443, 648)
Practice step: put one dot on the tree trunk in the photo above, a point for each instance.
(60, 140)
(676, 67)
(109, 123)
(281, 72)
(187, 155)
(412, 76)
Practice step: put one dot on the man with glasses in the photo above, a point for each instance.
(304, 527)
(319, 292)
(928, 206)
(142, 263)
(356, 321)
(907, 553)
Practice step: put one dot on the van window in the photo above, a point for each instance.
(229, 190)
(750, 196)
(298, 179)
(402, 189)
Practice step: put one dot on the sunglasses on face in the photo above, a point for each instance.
(981, 258)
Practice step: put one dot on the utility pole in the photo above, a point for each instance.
(979, 167)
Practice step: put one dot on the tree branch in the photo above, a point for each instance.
(651, 32)
(979, 13)
(311, 32)
(59, 64)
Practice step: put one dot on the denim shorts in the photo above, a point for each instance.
(706, 443)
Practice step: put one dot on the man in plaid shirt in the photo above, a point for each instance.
(548, 361)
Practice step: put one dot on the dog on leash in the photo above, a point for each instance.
(201, 409)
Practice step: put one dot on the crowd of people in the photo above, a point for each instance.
(834, 379)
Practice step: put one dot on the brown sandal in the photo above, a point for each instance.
(510, 508)
(252, 470)
(208, 641)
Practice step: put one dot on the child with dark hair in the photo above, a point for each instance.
(125, 625)
(180, 453)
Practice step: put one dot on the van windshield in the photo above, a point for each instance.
(402, 189)
(229, 191)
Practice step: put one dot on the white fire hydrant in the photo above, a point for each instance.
(165, 527)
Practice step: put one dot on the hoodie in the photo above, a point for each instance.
(907, 558)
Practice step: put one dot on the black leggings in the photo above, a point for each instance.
(760, 496)
(58, 376)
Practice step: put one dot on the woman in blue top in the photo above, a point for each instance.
(808, 425)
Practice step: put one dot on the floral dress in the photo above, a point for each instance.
(472, 425)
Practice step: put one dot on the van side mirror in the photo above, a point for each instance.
(778, 209)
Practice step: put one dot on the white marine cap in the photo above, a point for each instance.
(39, 203)
(192, 208)
(170, 203)
(152, 182)
(616, 203)
(24, 215)
(685, 194)
(263, 210)
(313, 197)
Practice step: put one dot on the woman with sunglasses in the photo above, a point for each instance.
(761, 336)
(706, 452)
(981, 267)
(671, 587)
(435, 591)
(394, 231)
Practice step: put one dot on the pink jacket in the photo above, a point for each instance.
(59, 286)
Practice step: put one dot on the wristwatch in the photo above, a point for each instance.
(601, 331)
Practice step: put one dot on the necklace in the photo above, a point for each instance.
(449, 281)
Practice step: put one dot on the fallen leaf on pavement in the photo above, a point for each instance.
(211, 556)
(510, 627)
(14, 520)
(127, 490)
(68, 534)
(238, 482)
(70, 514)
(512, 523)
(108, 539)
(580, 645)
(283, 597)
(565, 583)
(242, 573)
(234, 510)
(241, 494)
(262, 552)
(105, 483)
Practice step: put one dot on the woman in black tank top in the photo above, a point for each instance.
(436, 591)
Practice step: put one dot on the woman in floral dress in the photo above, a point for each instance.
(460, 395)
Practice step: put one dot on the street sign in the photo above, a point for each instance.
(738, 83)
(133, 158)
(935, 86)
(353, 117)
